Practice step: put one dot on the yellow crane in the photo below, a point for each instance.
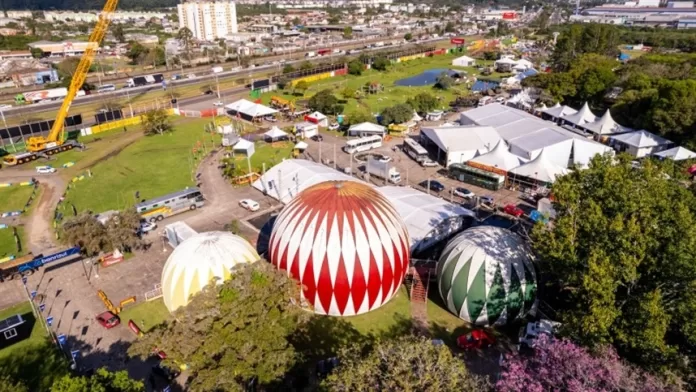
(53, 142)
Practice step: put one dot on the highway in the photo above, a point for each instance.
(135, 91)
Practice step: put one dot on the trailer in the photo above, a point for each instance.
(144, 80)
(216, 70)
(29, 264)
(52, 94)
(51, 149)
(323, 52)
(383, 170)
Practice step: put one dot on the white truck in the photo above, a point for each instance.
(530, 332)
(217, 70)
(383, 170)
(310, 54)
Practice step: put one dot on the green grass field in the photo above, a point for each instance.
(38, 334)
(8, 247)
(14, 198)
(392, 94)
(153, 165)
(395, 315)
(443, 324)
(145, 314)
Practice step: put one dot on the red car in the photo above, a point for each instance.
(475, 339)
(108, 320)
(513, 210)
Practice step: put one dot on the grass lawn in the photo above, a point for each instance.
(443, 324)
(7, 242)
(14, 197)
(153, 165)
(392, 317)
(37, 336)
(145, 314)
(268, 153)
(392, 94)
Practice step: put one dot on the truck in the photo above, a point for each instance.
(27, 265)
(382, 169)
(529, 333)
(52, 94)
(51, 148)
(379, 44)
(310, 54)
(217, 70)
(323, 52)
(144, 80)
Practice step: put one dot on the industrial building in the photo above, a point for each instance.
(429, 219)
(208, 20)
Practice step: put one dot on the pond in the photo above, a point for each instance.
(425, 78)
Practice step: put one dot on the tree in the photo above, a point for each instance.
(37, 53)
(83, 28)
(381, 63)
(87, 232)
(325, 102)
(135, 52)
(301, 86)
(397, 114)
(117, 31)
(444, 81)
(233, 333)
(355, 67)
(620, 260)
(283, 82)
(156, 122)
(288, 68)
(102, 381)
(358, 116)
(306, 65)
(122, 229)
(9, 385)
(449, 27)
(560, 365)
(408, 36)
(348, 92)
(406, 364)
(348, 32)
(185, 35)
(423, 102)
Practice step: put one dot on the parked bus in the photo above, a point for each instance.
(415, 150)
(362, 144)
(106, 87)
(162, 207)
(478, 177)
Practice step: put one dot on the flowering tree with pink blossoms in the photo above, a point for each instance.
(561, 365)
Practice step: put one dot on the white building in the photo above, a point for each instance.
(208, 20)
(640, 144)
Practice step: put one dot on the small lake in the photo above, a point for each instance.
(426, 78)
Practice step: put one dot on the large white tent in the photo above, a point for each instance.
(460, 144)
(463, 61)
(275, 133)
(248, 109)
(584, 150)
(558, 111)
(640, 143)
(606, 126)
(245, 147)
(540, 169)
(676, 154)
(366, 129)
(582, 117)
(499, 158)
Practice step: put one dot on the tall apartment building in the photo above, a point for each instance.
(208, 20)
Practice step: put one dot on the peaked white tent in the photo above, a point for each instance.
(416, 117)
(499, 158)
(318, 118)
(275, 133)
(640, 143)
(606, 126)
(301, 146)
(676, 154)
(244, 146)
(581, 117)
(366, 129)
(248, 109)
(540, 169)
(559, 111)
(463, 61)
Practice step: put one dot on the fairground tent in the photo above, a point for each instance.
(248, 110)
(676, 154)
(244, 146)
(499, 158)
(318, 118)
(275, 134)
(366, 129)
(540, 169)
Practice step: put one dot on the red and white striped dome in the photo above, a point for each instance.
(345, 243)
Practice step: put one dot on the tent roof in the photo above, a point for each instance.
(366, 127)
(465, 58)
(641, 139)
(466, 138)
(275, 133)
(506, 61)
(499, 157)
(606, 125)
(677, 154)
(559, 110)
(585, 149)
(416, 117)
(317, 115)
(250, 109)
(242, 144)
(582, 117)
(540, 168)
(301, 145)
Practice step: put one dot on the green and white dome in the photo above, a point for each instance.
(486, 277)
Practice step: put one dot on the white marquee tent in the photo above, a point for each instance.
(275, 133)
(540, 169)
(499, 158)
(606, 126)
(248, 109)
(460, 144)
(582, 117)
(463, 61)
(676, 154)
(366, 129)
(245, 147)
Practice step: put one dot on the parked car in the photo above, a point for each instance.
(146, 227)
(334, 126)
(108, 320)
(317, 138)
(476, 339)
(208, 92)
(218, 103)
(165, 372)
(463, 192)
(434, 185)
(249, 205)
(487, 200)
(529, 333)
(428, 163)
(45, 169)
(513, 210)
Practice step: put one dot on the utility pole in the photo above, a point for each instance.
(334, 158)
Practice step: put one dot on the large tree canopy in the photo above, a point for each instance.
(406, 364)
(620, 260)
(233, 333)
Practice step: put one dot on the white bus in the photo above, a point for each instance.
(415, 150)
(363, 144)
(106, 87)
(161, 207)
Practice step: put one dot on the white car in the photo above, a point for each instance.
(3, 107)
(218, 103)
(428, 163)
(146, 227)
(463, 192)
(45, 169)
(250, 205)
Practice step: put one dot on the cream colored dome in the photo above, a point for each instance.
(198, 260)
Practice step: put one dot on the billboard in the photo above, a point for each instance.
(40, 127)
(509, 15)
(457, 41)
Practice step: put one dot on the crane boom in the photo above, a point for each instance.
(55, 136)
